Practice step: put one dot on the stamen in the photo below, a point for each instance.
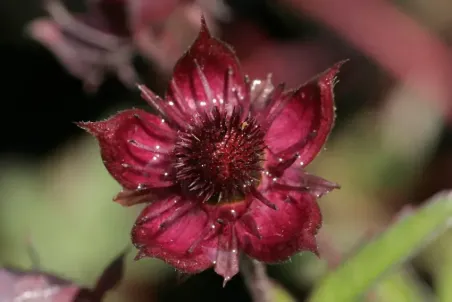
(178, 213)
(167, 136)
(248, 221)
(284, 187)
(282, 165)
(227, 87)
(274, 106)
(160, 211)
(205, 84)
(258, 195)
(137, 169)
(165, 109)
(245, 101)
(299, 145)
(146, 147)
(209, 228)
(263, 92)
(179, 98)
(219, 156)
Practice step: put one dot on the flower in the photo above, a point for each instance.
(89, 45)
(106, 37)
(222, 164)
(33, 285)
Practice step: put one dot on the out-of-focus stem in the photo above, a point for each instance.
(256, 279)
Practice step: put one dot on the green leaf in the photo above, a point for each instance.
(402, 286)
(402, 240)
(443, 274)
(280, 294)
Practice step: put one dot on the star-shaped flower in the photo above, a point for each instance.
(222, 164)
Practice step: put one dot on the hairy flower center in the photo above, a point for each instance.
(219, 156)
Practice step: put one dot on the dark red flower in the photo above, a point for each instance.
(222, 165)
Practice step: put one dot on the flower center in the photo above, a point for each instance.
(218, 157)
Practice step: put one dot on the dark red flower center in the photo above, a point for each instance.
(218, 158)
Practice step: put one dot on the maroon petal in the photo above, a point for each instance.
(131, 197)
(134, 147)
(207, 75)
(307, 119)
(301, 180)
(18, 285)
(275, 235)
(227, 260)
(109, 16)
(177, 232)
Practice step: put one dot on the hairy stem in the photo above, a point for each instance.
(256, 279)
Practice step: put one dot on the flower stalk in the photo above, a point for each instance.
(255, 276)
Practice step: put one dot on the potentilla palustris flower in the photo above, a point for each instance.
(222, 164)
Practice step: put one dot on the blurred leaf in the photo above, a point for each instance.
(443, 274)
(280, 294)
(402, 286)
(408, 234)
(63, 206)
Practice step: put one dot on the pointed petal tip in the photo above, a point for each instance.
(139, 86)
(316, 252)
(225, 281)
(143, 89)
(119, 199)
(334, 70)
(342, 62)
(89, 127)
(81, 124)
(204, 28)
(140, 255)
